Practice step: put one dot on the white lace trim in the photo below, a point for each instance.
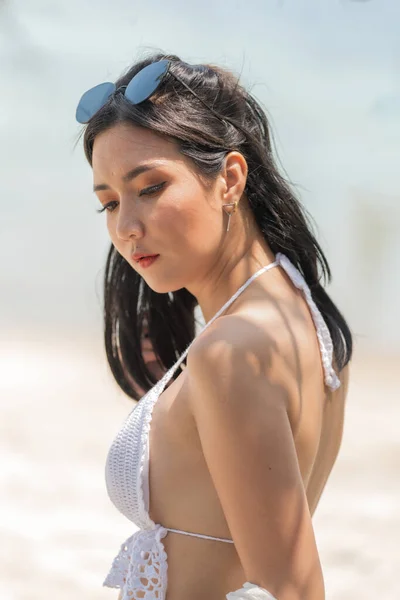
(144, 436)
(323, 335)
(141, 566)
(250, 591)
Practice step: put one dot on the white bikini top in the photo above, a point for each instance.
(142, 555)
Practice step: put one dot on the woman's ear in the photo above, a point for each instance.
(234, 175)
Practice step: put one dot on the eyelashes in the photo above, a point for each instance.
(107, 207)
(110, 206)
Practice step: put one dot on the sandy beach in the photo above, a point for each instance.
(60, 532)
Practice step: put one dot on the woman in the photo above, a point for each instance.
(222, 463)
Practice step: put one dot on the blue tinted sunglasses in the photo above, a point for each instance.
(140, 88)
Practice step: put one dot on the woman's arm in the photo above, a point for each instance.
(239, 402)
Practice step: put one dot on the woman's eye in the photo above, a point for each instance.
(152, 190)
(110, 206)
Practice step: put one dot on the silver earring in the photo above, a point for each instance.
(229, 209)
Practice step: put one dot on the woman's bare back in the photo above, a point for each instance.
(182, 494)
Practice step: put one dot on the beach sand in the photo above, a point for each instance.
(60, 532)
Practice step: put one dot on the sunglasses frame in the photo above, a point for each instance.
(123, 89)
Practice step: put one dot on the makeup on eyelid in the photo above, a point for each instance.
(145, 192)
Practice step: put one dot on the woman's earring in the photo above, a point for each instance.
(229, 209)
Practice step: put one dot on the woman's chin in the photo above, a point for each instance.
(162, 287)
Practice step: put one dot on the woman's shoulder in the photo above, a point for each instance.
(243, 346)
(273, 348)
(238, 331)
(232, 366)
(270, 335)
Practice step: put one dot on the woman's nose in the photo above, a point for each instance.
(128, 224)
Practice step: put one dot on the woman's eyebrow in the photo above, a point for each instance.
(130, 175)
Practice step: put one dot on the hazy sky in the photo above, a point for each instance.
(328, 73)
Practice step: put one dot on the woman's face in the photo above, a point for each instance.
(165, 210)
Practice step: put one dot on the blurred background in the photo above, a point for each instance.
(328, 74)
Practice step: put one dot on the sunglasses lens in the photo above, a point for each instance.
(145, 83)
(93, 100)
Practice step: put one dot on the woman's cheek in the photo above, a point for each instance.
(168, 219)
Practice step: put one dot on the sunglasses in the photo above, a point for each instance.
(140, 88)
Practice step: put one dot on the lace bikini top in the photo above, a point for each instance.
(142, 557)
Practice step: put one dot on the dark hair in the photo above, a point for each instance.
(203, 137)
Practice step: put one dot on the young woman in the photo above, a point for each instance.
(222, 462)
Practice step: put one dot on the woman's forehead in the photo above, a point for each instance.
(124, 149)
(140, 143)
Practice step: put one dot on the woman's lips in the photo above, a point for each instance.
(147, 261)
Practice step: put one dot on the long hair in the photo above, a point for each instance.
(129, 303)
